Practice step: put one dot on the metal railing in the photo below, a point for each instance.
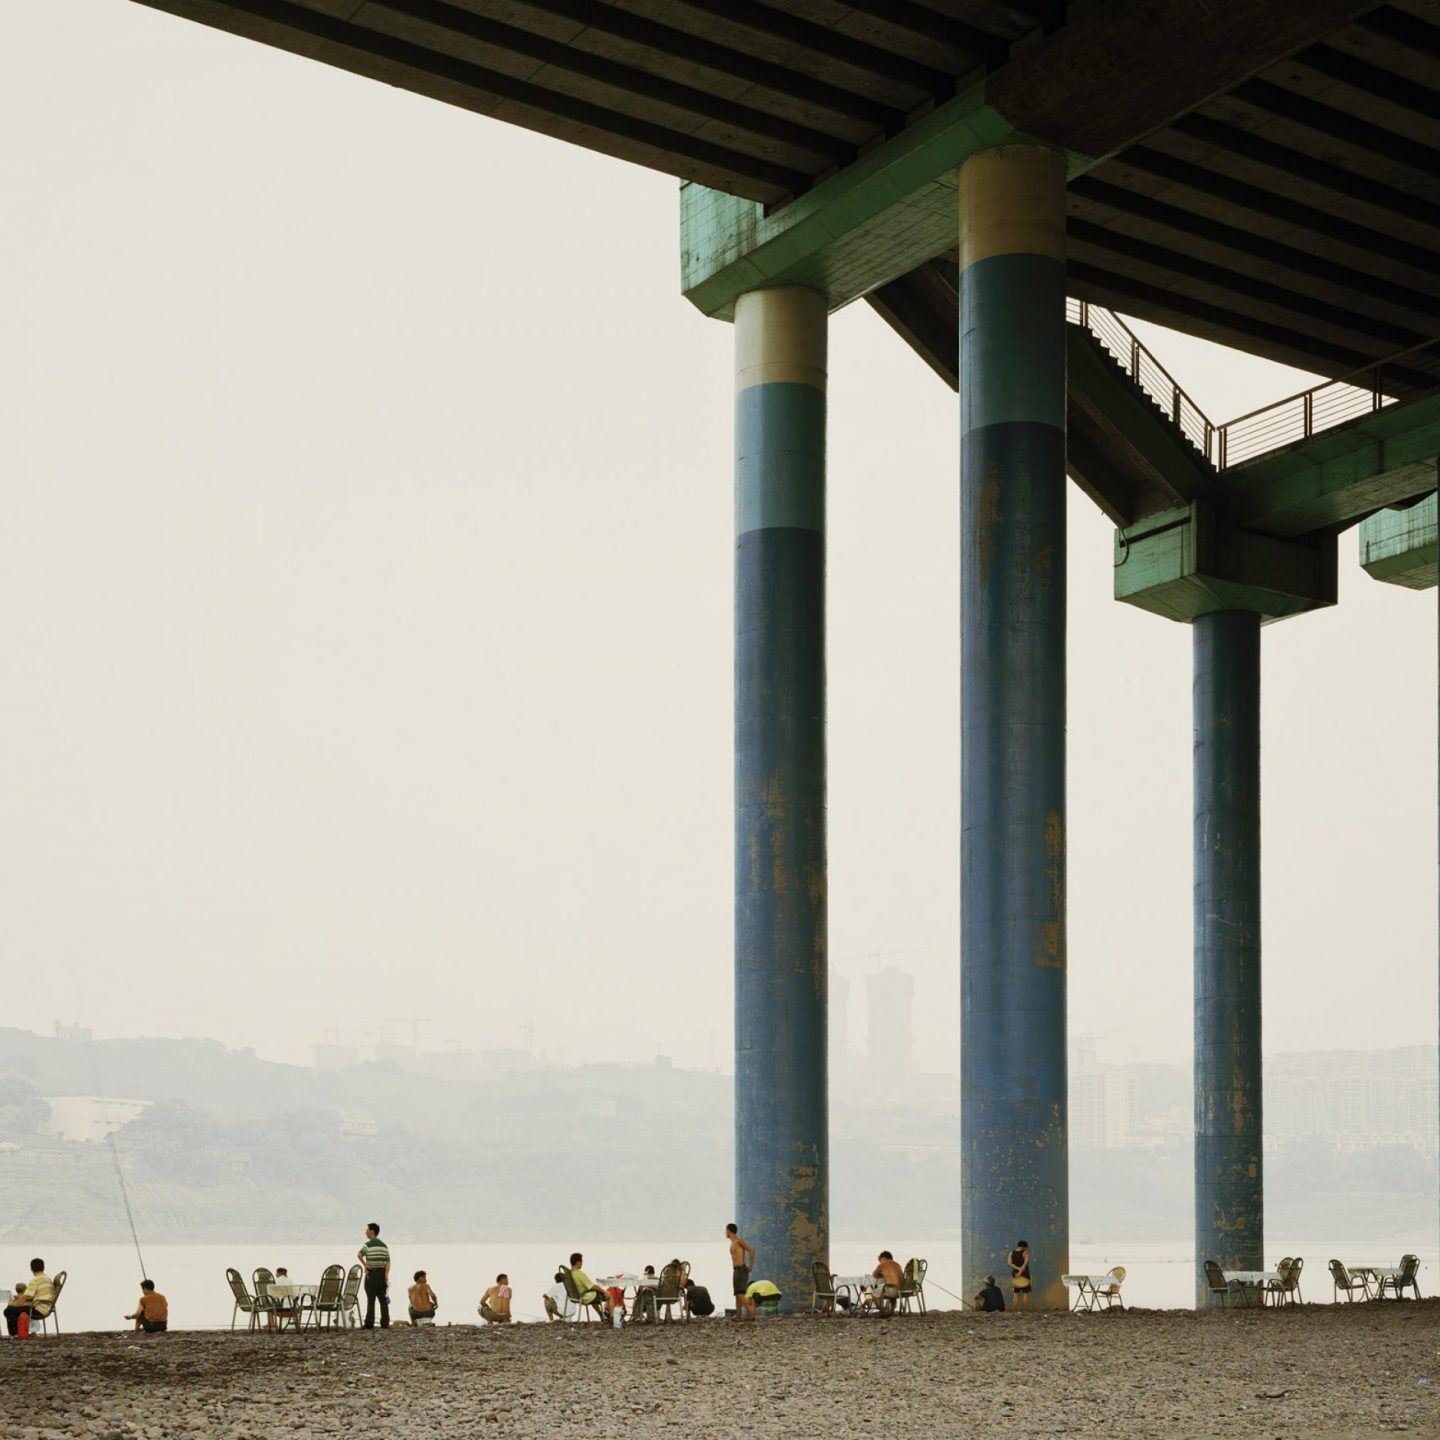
(1331, 403)
(1325, 406)
(1147, 372)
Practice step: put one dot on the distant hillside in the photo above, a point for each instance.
(233, 1147)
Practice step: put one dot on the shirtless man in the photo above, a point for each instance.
(742, 1257)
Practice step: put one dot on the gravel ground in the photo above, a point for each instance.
(1321, 1371)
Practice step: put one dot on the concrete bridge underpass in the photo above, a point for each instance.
(1258, 172)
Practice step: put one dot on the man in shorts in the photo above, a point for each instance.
(495, 1302)
(742, 1257)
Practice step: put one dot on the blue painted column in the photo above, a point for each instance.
(1229, 1182)
(782, 1167)
(1014, 1142)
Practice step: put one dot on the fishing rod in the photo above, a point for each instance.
(125, 1198)
(119, 1170)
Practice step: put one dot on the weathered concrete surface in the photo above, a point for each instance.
(1229, 1130)
(1014, 1164)
(1324, 1371)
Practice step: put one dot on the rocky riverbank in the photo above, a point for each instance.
(1321, 1371)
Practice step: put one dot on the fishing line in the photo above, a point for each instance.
(119, 1171)
(950, 1293)
(125, 1197)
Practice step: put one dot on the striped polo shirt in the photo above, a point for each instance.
(375, 1253)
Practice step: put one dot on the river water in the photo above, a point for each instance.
(104, 1280)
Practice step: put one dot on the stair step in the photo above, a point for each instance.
(1162, 412)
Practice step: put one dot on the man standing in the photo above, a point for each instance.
(374, 1255)
(742, 1257)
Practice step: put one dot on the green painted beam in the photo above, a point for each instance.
(1115, 71)
(1188, 562)
(877, 219)
(1400, 546)
(1339, 476)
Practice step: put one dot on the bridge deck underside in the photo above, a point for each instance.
(1294, 212)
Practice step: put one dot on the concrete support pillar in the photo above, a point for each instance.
(782, 1167)
(1229, 1184)
(1014, 1144)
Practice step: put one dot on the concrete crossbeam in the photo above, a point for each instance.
(1400, 546)
(1334, 478)
(887, 213)
(1189, 561)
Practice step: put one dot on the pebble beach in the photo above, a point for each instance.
(1311, 1371)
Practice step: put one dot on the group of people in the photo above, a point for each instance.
(991, 1298)
(34, 1298)
(883, 1297)
(572, 1286)
(424, 1303)
(606, 1300)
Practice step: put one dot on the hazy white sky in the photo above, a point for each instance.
(365, 581)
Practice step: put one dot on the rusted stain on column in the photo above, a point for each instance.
(1014, 1150)
(781, 1123)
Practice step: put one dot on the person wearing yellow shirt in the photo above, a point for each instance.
(762, 1294)
(39, 1292)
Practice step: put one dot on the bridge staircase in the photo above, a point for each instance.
(1361, 448)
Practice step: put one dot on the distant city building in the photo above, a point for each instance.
(890, 996)
(1104, 1107)
(76, 1034)
(355, 1126)
(1354, 1098)
(86, 1118)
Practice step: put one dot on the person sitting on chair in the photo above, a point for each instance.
(645, 1310)
(40, 1291)
(284, 1308)
(423, 1301)
(887, 1291)
(586, 1289)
